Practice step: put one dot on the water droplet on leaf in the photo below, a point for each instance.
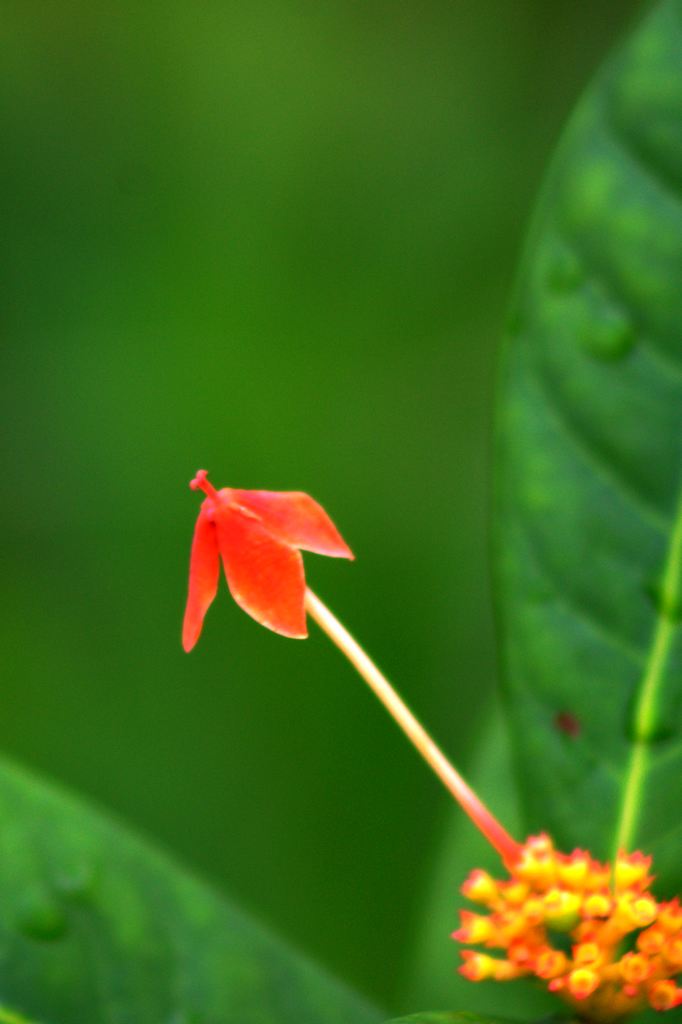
(608, 337)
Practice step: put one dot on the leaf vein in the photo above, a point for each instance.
(592, 458)
(672, 753)
(569, 603)
(641, 161)
(668, 834)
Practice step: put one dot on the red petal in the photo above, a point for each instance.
(265, 576)
(296, 518)
(204, 567)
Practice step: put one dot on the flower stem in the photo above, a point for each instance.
(482, 818)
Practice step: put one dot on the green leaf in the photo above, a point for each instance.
(449, 1018)
(433, 980)
(590, 454)
(97, 927)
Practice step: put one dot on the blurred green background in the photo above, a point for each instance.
(274, 239)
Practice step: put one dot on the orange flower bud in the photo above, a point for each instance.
(634, 912)
(664, 995)
(652, 940)
(631, 871)
(597, 904)
(582, 982)
(537, 862)
(515, 892)
(477, 966)
(670, 916)
(522, 954)
(644, 910)
(480, 887)
(587, 954)
(551, 963)
(475, 929)
(635, 968)
(533, 910)
(562, 909)
(506, 971)
(673, 952)
(573, 870)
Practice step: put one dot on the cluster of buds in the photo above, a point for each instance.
(592, 933)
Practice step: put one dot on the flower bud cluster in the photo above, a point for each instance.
(593, 933)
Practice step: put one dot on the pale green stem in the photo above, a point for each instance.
(468, 800)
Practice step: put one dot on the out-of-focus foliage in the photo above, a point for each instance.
(449, 1018)
(590, 511)
(274, 240)
(96, 926)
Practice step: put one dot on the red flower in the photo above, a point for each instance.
(257, 534)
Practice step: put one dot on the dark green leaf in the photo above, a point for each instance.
(97, 927)
(590, 436)
(449, 1018)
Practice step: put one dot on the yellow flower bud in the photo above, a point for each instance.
(562, 909)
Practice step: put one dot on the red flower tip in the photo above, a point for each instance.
(258, 535)
(202, 483)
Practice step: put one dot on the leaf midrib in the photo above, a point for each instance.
(8, 1016)
(648, 690)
